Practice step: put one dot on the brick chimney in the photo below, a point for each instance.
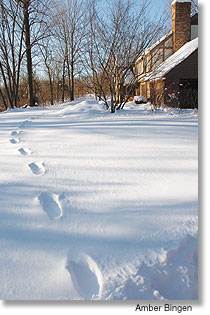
(181, 27)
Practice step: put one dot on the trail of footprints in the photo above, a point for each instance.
(35, 167)
(49, 202)
(83, 270)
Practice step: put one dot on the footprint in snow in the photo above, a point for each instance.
(24, 124)
(14, 141)
(37, 168)
(85, 275)
(15, 133)
(25, 151)
(50, 205)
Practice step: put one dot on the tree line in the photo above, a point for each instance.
(54, 50)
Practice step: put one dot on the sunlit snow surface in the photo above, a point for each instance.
(95, 205)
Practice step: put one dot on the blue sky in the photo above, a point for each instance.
(157, 6)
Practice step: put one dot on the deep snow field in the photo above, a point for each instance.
(99, 206)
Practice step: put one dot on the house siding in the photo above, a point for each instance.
(186, 70)
(157, 92)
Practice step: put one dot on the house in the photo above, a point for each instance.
(167, 72)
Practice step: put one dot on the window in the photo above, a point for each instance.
(194, 31)
(157, 58)
(145, 64)
(140, 67)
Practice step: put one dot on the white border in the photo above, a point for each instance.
(121, 308)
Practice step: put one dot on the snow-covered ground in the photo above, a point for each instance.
(96, 205)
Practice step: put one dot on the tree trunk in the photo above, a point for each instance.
(69, 77)
(57, 89)
(72, 65)
(112, 105)
(18, 68)
(28, 52)
(6, 86)
(51, 88)
(63, 81)
(72, 81)
(3, 99)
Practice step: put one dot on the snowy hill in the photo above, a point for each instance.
(96, 205)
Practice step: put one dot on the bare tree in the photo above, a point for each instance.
(35, 23)
(116, 43)
(100, 49)
(11, 50)
(46, 51)
(3, 100)
(26, 13)
(70, 24)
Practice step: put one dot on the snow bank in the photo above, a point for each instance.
(140, 99)
(176, 277)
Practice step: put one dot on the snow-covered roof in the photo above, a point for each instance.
(175, 59)
(158, 42)
(180, 1)
(129, 78)
(147, 50)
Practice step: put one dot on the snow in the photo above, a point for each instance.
(150, 48)
(182, 1)
(158, 42)
(175, 59)
(130, 78)
(139, 98)
(98, 206)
